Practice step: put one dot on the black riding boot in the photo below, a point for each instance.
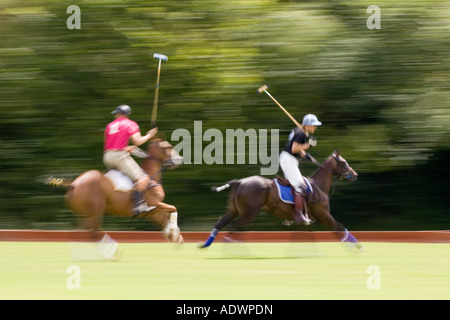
(140, 205)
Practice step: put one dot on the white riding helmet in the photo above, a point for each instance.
(311, 120)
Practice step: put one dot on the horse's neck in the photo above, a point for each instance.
(152, 168)
(324, 179)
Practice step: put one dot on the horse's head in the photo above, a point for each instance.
(340, 167)
(163, 152)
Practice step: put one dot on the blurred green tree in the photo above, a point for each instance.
(381, 94)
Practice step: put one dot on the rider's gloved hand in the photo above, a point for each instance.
(312, 142)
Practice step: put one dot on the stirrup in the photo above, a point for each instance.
(302, 218)
(307, 221)
(140, 203)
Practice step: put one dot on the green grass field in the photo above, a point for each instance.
(227, 271)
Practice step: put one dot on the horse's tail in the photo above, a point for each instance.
(58, 182)
(226, 185)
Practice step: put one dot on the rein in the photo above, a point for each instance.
(345, 175)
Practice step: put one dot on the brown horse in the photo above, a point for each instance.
(248, 196)
(93, 194)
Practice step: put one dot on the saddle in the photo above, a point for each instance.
(283, 182)
(286, 190)
(120, 181)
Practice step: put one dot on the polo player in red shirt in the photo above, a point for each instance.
(117, 153)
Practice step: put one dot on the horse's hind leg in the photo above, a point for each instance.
(248, 211)
(231, 214)
(224, 221)
(245, 210)
(91, 226)
(88, 208)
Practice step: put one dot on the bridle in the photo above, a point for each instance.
(345, 174)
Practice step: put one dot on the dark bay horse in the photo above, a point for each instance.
(92, 194)
(250, 195)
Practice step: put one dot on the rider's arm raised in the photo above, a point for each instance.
(139, 139)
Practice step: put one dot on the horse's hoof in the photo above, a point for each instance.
(175, 238)
(360, 248)
(117, 255)
(201, 245)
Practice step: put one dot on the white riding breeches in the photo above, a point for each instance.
(289, 165)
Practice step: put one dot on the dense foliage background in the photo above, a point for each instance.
(382, 94)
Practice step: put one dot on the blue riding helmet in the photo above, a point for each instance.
(311, 120)
(122, 109)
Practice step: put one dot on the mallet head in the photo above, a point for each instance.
(263, 88)
(160, 56)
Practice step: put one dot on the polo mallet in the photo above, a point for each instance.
(160, 57)
(264, 88)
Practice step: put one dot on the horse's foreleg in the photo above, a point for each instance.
(348, 239)
(225, 220)
(324, 216)
(166, 216)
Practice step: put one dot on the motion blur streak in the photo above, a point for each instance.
(382, 94)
